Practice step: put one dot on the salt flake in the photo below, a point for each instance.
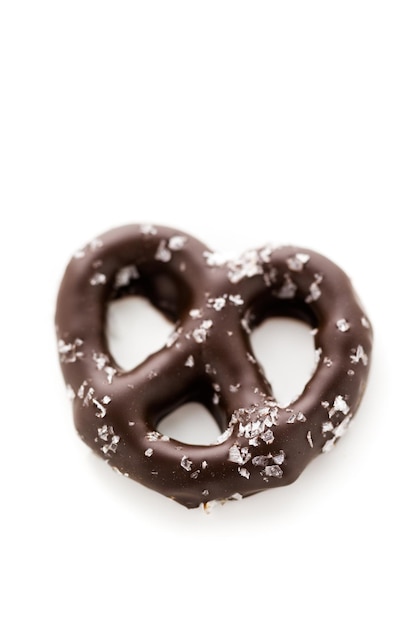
(339, 405)
(98, 279)
(287, 290)
(125, 275)
(359, 355)
(343, 325)
(186, 464)
(163, 253)
(297, 262)
(177, 242)
(70, 352)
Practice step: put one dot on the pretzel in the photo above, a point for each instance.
(215, 304)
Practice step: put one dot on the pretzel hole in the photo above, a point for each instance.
(134, 330)
(191, 423)
(285, 348)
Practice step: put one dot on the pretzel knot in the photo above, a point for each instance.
(208, 358)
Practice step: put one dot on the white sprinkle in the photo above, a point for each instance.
(365, 323)
(149, 452)
(190, 361)
(310, 439)
(234, 388)
(195, 313)
(326, 427)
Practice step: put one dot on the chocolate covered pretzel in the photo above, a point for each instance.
(215, 304)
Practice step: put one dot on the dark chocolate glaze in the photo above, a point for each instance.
(215, 304)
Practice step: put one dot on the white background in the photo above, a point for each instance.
(241, 123)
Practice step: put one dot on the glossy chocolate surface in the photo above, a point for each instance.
(214, 304)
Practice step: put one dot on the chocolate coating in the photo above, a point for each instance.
(215, 304)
